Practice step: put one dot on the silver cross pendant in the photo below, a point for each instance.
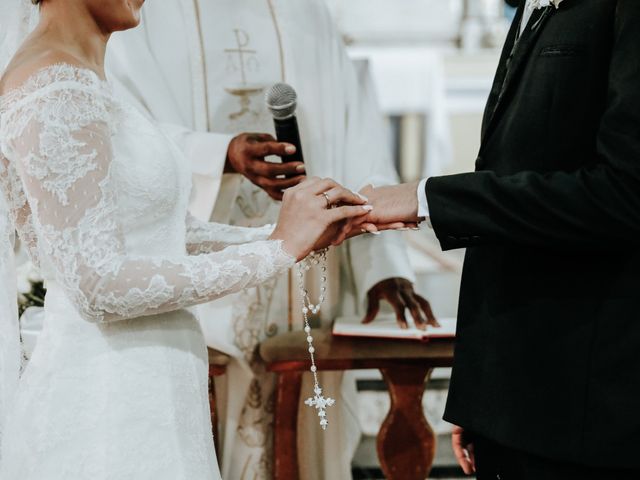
(320, 403)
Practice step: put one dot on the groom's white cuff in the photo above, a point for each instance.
(423, 206)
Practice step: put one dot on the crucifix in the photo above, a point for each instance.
(320, 402)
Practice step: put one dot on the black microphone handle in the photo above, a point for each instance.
(287, 131)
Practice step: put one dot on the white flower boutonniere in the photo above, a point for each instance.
(538, 4)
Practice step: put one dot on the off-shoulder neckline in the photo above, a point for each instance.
(48, 74)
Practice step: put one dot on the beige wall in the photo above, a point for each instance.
(465, 134)
(468, 81)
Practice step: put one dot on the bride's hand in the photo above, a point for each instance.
(306, 222)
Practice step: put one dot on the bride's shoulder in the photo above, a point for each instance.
(33, 69)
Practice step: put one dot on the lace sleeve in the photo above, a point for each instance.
(204, 237)
(60, 144)
(19, 210)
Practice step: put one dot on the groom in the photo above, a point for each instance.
(546, 380)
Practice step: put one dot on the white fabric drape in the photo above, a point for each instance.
(17, 19)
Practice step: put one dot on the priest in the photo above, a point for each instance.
(201, 68)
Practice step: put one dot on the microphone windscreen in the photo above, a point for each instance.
(281, 100)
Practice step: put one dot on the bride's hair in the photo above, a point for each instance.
(36, 2)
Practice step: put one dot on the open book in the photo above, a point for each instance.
(386, 326)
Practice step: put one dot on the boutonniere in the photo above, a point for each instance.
(538, 4)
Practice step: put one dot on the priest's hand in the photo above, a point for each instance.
(246, 156)
(400, 294)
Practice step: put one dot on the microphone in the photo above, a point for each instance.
(282, 100)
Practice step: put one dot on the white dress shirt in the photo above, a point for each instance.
(529, 8)
(423, 206)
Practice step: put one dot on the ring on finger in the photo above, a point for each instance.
(326, 197)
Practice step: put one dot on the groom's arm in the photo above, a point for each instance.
(594, 207)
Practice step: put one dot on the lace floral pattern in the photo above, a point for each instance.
(204, 237)
(19, 211)
(57, 132)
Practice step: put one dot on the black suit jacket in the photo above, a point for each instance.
(548, 351)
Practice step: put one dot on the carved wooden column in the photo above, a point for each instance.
(406, 442)
(285, 445)
(212, 406)
(217, 366)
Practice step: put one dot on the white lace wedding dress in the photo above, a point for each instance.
(117, 386)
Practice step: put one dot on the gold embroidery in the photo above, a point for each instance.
(203, 62)
(246, 60)
(245, 55)
(280, 44)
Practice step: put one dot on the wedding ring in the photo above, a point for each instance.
(326, 197)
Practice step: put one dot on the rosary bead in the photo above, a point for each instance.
(314, 258)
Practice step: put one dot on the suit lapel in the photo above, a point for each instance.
(517, 53)
(501, 72)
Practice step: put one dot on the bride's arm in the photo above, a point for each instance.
(61, 146)
(204, 237)
(19, 209)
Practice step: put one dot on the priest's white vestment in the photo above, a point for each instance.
(201, 68)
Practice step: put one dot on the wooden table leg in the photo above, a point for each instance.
(214, 371)
(285, 441)
(406, 442)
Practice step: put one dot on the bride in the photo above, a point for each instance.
(116, 388)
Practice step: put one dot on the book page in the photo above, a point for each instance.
(386, 326)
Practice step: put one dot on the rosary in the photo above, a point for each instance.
(314, 259)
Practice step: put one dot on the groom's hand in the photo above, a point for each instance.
(394, 208)
(400, 294)
(395, 203)
(246, 155)
(463, 450)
